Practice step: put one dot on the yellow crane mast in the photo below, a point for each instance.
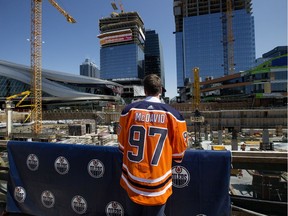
(196, 89)
(36, 59)
(197, 119)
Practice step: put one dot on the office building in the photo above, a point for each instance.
(90, 69)
(215, 35)
(122, 37)
(276, 52)
(154, 62)
(262, 86)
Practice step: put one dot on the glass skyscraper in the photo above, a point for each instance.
(90, 69)
(122, 47)
(122, 62)
(201, 32)
(154, 55)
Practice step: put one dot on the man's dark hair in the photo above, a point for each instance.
(152, 84)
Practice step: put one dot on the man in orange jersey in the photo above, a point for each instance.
(150, 134)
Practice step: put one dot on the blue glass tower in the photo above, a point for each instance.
(89, 68)
(154, 55)
(122, 47)
(201, 38)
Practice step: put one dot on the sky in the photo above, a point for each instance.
(66, 46)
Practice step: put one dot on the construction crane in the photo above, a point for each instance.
(114, 6)
(36, 59)
(9, 106)
(24, 95)
(196, 89)
(230, 37)
(121, 7)
(197, 119)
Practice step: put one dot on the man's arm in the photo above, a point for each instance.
(121, 134)
(180, 141)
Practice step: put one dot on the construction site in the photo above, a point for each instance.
(256, 137)
(254, 147)
(251, 128)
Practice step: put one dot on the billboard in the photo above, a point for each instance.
(115, 36)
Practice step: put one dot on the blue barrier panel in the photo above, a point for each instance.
(67, 179)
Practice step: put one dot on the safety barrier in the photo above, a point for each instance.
(68, 179)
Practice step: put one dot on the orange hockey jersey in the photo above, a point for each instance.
(150, 135)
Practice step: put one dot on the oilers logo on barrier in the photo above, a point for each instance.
(32, 162)
(96, 168)
(61, 165)
(79, 204)
(114, 208)
(47, 199)
(180, 176)
(19, 194)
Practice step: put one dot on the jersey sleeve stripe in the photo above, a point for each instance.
(121, 147)
(147, 187)
(178, 154)
(144, 193)
(124, 114)
(150, 181)
(178, 161)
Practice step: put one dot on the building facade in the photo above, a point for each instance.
(58, 88)
(90, 69)
(214, 36)
(277, 51)
(122, 39)
(261, 86)
(154, 62)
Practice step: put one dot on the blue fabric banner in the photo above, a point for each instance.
(68, 179)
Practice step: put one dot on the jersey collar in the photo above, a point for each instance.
(153, 99)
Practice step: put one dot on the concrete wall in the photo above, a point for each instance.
(273, 118)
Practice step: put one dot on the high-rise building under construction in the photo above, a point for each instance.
(217, 36)
(122, 47)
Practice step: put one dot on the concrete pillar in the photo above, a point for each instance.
(220, 137)
(93, 139)
(279, 130)
(9, 113)
(265, 140)
(234, 143)
(205, 132)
